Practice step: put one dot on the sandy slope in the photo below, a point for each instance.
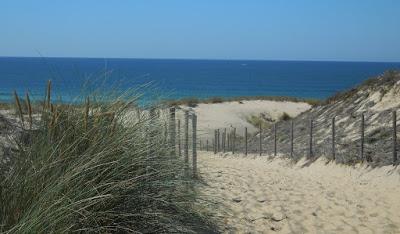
(226, 114)
(258, 195)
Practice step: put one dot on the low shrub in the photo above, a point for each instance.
(285, 117)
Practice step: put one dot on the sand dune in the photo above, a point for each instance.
(261, 195)
(226, 114)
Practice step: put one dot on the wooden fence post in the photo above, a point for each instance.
(179, 139)
(223, 140)
(394, 137)
(186, 142)
(226, 141)
(166, 134)
(362, 137)
(194, 141)
(245, 140)
(234, 141)
(275, 149)
(333, 139)
(310, 153)
(228, 135)
(291, 139)
(172, 129)
(213, 145)
(260, 147)
(215, 142)
(218, 141)
(231, 149)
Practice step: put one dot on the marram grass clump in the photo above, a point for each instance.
(96, 167)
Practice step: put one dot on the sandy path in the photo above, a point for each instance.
(257, 195)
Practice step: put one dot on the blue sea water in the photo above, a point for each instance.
(174, 78)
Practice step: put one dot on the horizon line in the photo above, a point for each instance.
(205, 59)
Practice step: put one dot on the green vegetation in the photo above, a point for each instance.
(193, 101)
(387, 79)
(285, 117)
(257, 120)
(95, 168)
(4, 106)
(266, 121)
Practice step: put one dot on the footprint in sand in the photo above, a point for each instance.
(250, 190)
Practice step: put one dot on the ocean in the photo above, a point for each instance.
(176, 78)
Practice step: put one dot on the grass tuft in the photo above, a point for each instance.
(285, 117)
(29, 109)
(260, 120)
(387, 79)
(102, 171)
(19, 107)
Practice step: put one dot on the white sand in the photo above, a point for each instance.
(226, 114)
(257, 195)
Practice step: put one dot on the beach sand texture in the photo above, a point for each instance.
(235, 114)
(260, 195)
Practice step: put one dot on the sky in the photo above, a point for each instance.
(334, 30)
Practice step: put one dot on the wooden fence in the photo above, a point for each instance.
(178, 143)
(269, 140)
(263, 140)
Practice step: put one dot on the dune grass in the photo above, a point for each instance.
(193, 101)
(266, 121)
(387, 79)
(258, 120)
(95, 168)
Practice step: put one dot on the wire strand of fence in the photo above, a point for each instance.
(370, 136)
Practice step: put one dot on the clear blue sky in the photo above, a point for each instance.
(355, 30)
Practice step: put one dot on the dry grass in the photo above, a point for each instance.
(266, 121)
(96, 169)
(19, 108)
(257, 120)
(387, 79)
